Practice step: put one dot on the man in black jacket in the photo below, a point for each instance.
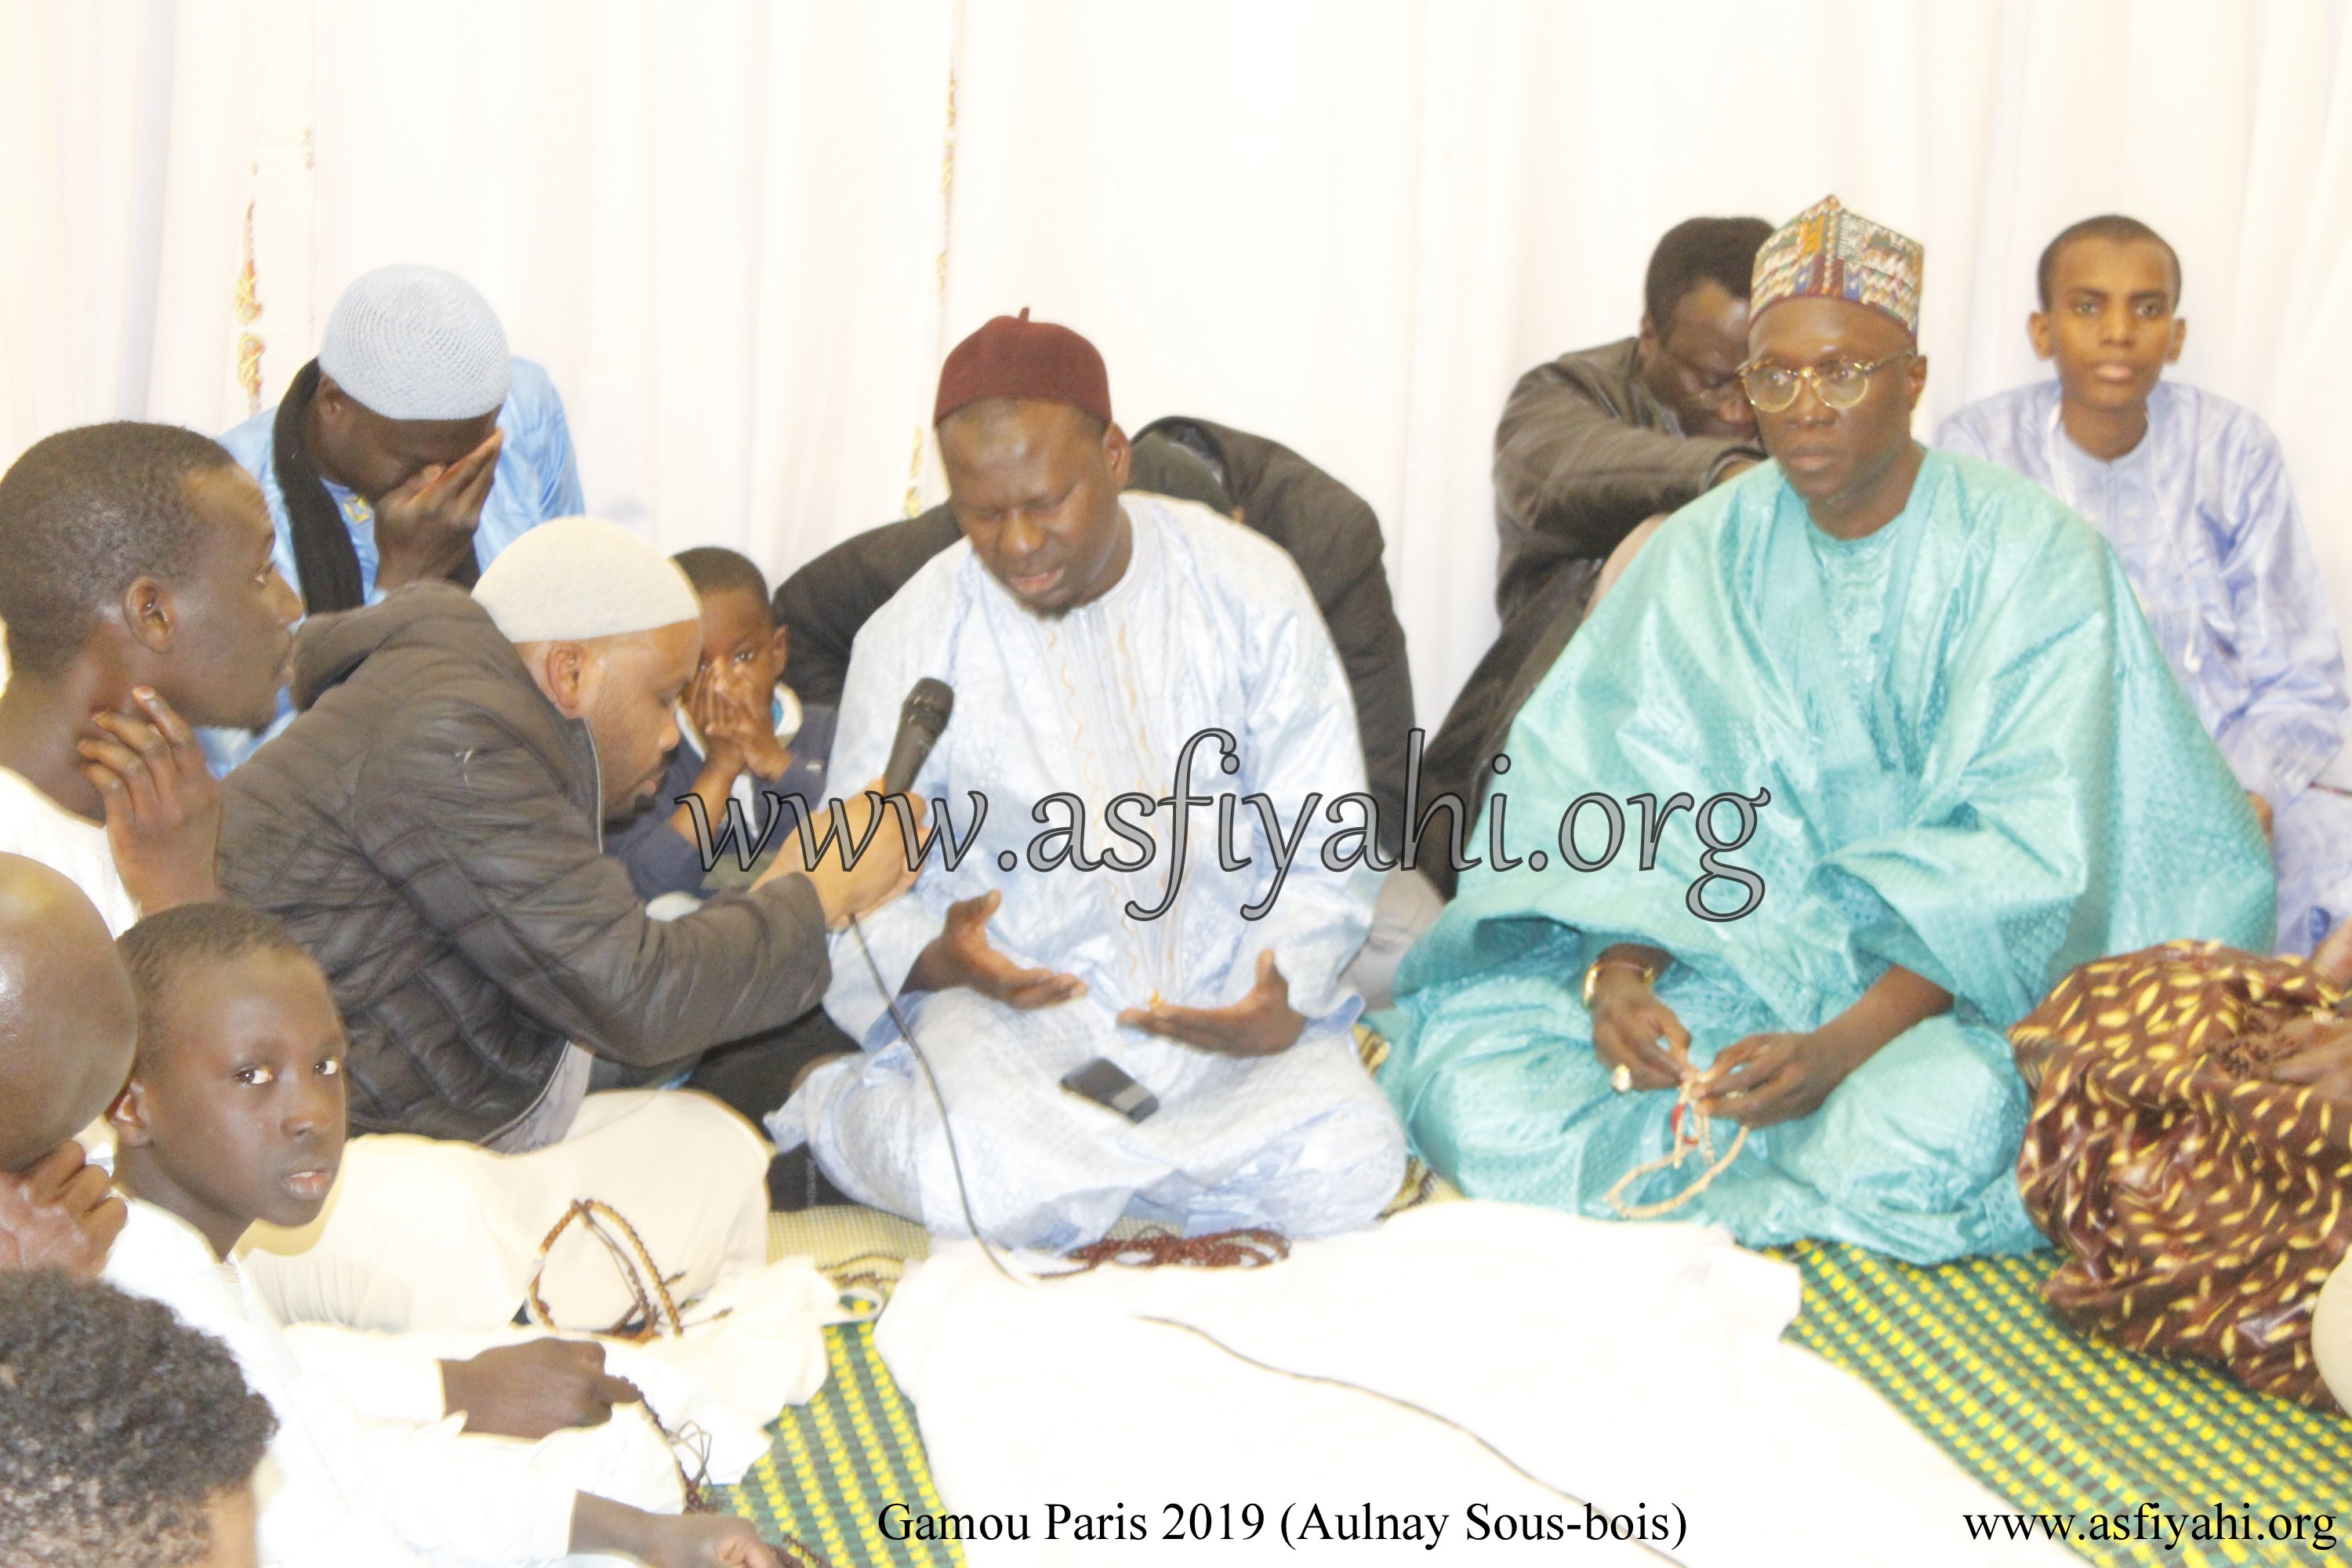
(430, 828)
(1589, 447)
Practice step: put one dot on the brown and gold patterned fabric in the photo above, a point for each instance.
(2202, 1207)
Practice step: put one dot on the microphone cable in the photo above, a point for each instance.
(1028, 1282)
(946, 1127)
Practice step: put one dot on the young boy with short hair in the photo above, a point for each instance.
(233, 1113)
(125, 1435)
(2192, 492)
(743, 736)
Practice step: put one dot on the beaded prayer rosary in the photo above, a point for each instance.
(654, 1311)
(1692, 1131)
(1251, 1249)
(655, 1315)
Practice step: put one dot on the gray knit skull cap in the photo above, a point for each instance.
(415, 343)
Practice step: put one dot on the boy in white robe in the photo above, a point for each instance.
(233, 1113)
(2192, 492)
(1106, 651)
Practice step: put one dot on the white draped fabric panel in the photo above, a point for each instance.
(742, 235)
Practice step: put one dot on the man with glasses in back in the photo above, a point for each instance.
(1965, 768)
(1590, 446)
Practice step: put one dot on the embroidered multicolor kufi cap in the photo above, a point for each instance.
(1828, 251)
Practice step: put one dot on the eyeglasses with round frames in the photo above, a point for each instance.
(1840, 384)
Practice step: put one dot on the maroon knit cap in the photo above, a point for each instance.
(1016, 357)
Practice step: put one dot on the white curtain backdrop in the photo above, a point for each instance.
(742, 235)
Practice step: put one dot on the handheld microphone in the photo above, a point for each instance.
(920, 720)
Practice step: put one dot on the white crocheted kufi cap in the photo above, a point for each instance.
(416, 342)
(581, 577)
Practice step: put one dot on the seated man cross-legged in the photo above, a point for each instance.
(1321, 524)
(1088, 637)
(1962, 766)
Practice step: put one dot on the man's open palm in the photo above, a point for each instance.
(963, 955)
(1262, 1023)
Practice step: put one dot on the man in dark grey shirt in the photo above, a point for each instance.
(1590, 445)
(1596, 441)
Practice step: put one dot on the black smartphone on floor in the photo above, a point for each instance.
(1106, 1083)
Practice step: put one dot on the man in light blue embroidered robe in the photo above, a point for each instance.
(415, 403)
(1968, 767)
(2192, 492)
(1088, 637)
(537, 477)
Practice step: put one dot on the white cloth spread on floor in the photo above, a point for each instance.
(1638, 1367)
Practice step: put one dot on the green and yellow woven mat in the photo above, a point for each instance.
(839, 1459)
(2061, 1425)
(2054, 1422)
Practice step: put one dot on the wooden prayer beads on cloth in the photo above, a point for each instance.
(653, 1316)
(1251, 1249)
(2201, 1205)
(654, 1313)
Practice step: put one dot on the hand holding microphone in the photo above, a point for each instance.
(922, 718)
(882, 872)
